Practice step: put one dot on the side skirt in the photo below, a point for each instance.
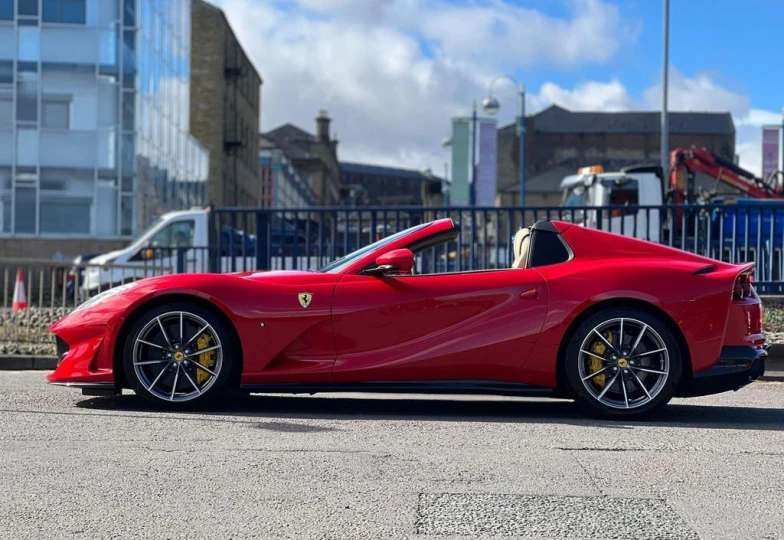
(415, 387)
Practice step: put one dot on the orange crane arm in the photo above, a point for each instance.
(685, 162)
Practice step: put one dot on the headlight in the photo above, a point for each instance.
(104, 295)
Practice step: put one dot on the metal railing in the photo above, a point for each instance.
(250, 239)
(55, 284)
(308, 239)
(51, 290)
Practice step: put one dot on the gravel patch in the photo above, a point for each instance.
(471, 514)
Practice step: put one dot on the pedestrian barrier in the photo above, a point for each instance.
(306, 239)
(36, 293)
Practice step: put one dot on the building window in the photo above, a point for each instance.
(65, 11)
(6, 10)
(28, 7)
(6, 112)
(24, 216)
(6, 71)
(55, 113)
(26, 106)
(61, 215)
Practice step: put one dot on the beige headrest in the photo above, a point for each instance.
(520, 246)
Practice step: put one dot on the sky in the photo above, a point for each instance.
(391, 73)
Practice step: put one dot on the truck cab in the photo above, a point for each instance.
(596, 199)
(154, 251)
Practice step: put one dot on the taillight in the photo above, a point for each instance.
(742, 288)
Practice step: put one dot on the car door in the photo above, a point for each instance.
(460, 326)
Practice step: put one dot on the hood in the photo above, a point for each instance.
(106, 257)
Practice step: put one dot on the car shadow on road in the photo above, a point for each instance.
(280, 407)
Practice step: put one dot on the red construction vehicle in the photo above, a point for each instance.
(685, 163)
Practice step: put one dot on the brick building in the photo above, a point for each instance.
(224, 108)
(313, 157)
(559, 141)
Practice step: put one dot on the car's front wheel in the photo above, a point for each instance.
(178, 355)
(623, 362)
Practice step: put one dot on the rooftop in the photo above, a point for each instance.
(294, 141)
(380, 170)
(556, 119)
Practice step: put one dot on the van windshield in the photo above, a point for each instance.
(576, 195)
(155, 224)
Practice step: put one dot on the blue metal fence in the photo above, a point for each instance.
(306, 239)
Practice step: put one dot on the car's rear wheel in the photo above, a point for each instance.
(178, 355)
(623, 362)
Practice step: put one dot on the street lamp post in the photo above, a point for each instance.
(446, 190)
(491, 106)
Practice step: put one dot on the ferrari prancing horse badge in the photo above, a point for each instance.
(305, 299)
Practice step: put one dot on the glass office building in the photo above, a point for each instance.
(94, 106)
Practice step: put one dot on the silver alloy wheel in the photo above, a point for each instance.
(167, 359)
(624, 363)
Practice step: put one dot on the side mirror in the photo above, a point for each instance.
(397, 260)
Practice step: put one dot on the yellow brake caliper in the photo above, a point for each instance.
(206, 359)
(594, 364)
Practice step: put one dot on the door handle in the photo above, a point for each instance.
(530, 294)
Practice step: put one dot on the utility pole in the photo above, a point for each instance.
(473, 157)
(521, 136)
(665, 122)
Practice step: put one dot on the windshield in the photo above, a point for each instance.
(342, 263)
(577, 195)
(152, 226)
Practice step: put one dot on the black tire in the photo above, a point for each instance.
(139, 377)
(648, 398)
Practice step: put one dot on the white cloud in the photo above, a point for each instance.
(702, 92)
(750, 153)
(515, 36)
(760, 117)
(391, 73)
(586, 96)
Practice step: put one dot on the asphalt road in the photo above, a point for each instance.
(369, 466)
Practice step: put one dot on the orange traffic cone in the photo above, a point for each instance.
(20, 300)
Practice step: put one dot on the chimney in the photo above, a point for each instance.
(322, 126)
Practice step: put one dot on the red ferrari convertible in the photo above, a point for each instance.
(617, 324)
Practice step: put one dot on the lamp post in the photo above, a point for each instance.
(445, 189)
(491, 106)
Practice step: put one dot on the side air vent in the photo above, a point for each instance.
(705, 270)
